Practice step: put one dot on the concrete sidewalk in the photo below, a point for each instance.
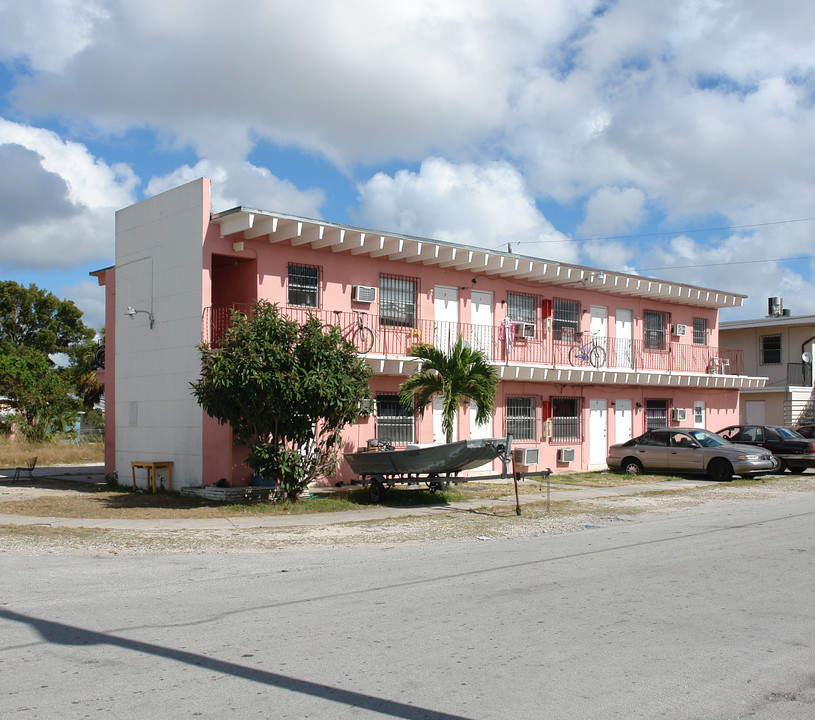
(92, 473)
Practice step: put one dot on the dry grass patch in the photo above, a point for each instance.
(55, 498)
(15, 454)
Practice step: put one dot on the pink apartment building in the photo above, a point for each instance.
(179, 268)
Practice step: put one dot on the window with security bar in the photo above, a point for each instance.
(393, 421)
(304, 286)
(566, 419)
(521, 418)
(699, 331)
(521, 308)
(565, 319)
(770, 349)
(655, 329)
(397, 300)
(656, 414)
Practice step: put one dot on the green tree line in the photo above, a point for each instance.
(48, 361)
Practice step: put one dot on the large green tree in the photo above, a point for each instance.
(38, 394)
(286, 390)
(460, 375)
(35, 318)
(35, 326)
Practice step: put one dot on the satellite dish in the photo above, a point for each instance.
(806, 357)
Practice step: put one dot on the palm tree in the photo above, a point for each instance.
(462, 374)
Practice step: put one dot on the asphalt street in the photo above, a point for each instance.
(708, 612)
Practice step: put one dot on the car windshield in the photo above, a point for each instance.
(707, 439)
(788, 434)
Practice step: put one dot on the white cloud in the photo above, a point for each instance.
(357, 81)
(486, 206)
(612, 209)
(63, 215)
(45, 34)
(89, 297)
(244, 184)
(692, 110)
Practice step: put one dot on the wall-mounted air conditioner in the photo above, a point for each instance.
(524, 330)
(680, 330)
(526, 456)
(363, 293)
(678, 414)
(565, 455)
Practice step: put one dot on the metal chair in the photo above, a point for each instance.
(30, 464)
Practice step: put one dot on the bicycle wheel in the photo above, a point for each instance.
(575, 356)
(363, 339)
(328, 327)
(597, 356)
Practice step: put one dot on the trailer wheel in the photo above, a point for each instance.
(439, 485)
(376, 491)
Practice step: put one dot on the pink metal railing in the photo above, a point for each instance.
(392, 340)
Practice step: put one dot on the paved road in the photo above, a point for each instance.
(707, 613)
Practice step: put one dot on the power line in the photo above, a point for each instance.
(659, 234)
(737, 262)
(688, 232)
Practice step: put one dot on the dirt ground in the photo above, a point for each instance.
(471, 524)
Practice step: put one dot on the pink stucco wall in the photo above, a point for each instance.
(260, 271)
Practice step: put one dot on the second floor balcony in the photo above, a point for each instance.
(517, 347)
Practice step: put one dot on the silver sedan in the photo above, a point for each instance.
(690, 451)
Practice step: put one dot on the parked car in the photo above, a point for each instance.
(690, 451)
(808, 431)
(793, 450)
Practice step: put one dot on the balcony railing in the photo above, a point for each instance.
(799, 374)
(501, 346)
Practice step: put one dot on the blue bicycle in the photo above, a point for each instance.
(590, 353)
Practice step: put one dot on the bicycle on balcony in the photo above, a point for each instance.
(355, 332)
(589, 353)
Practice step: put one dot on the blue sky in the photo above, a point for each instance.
(673, 140)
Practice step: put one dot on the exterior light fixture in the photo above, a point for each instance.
(131, 313)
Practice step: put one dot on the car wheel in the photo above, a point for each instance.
(795, 469)
(720, 470)
(631, 466)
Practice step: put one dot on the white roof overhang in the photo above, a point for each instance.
(247, 224)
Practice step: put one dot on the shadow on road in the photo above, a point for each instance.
(62, 634)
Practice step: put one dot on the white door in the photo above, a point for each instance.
(754, 412)
(598, 433)
(698, 414)
(482, 318)
(438, 433)
(624, 347)
(478, 432)
(623, 421)
(445, 307)
(599, 328)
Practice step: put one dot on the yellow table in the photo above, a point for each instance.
(151, 467)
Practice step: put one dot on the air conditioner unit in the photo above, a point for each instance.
(363, 293)
(526, 456)
(524, 330)
(678, 414)
(565, 455)
(680, 330)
